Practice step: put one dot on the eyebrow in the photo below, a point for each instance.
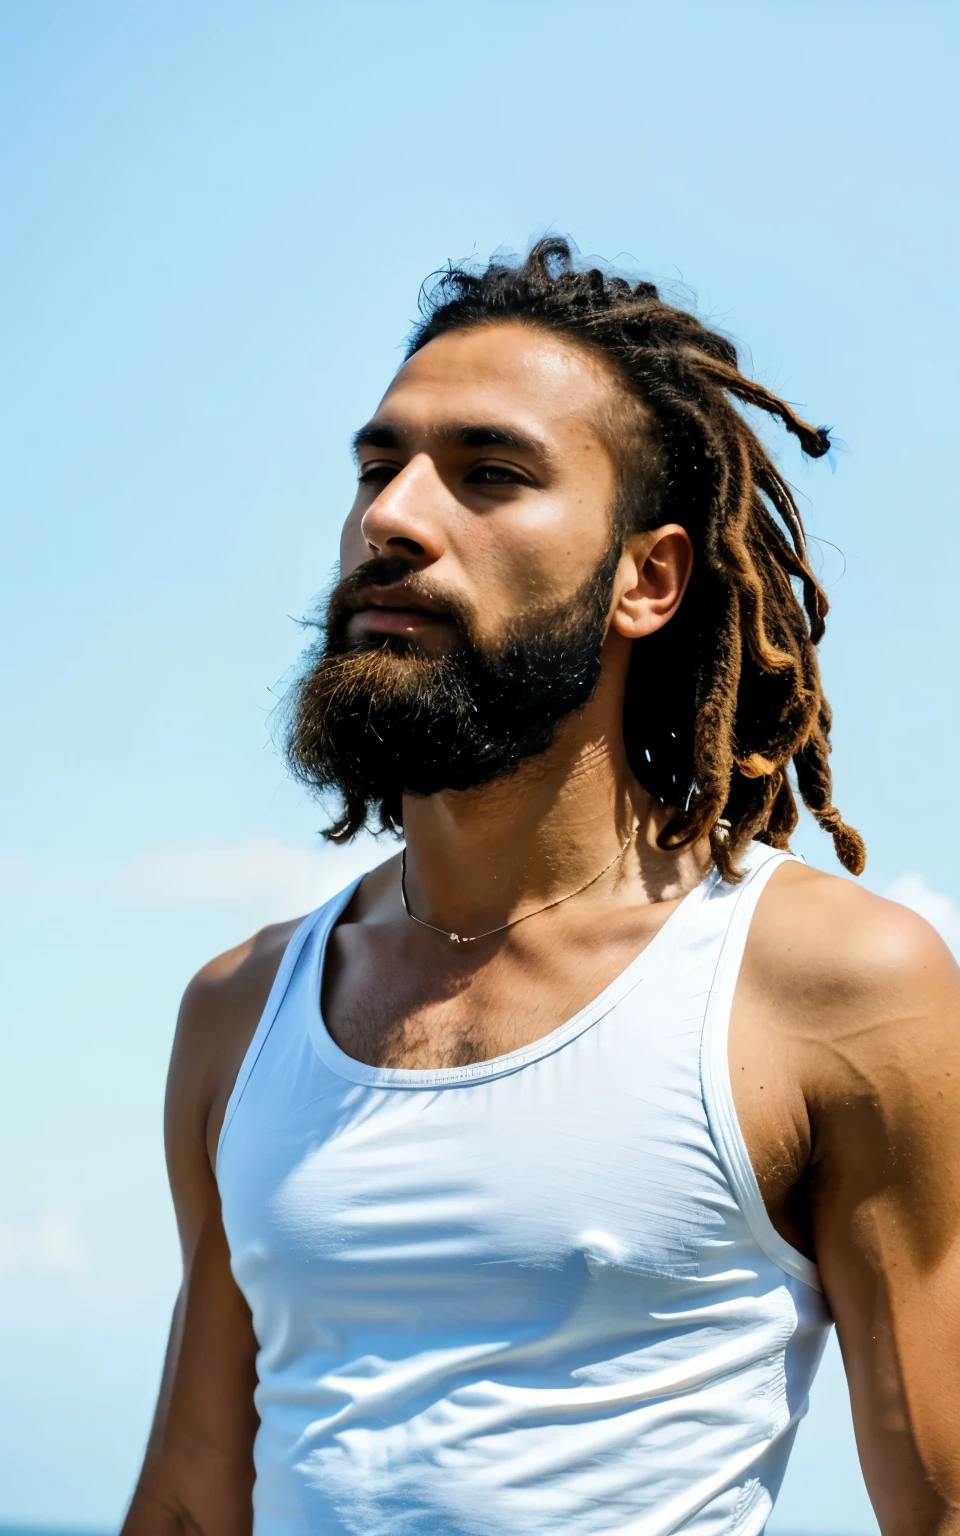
(458, 434)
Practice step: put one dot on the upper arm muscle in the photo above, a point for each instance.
(198, 1472)
(846, 1064)
(887, 1224)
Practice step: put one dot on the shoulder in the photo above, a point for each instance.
(218, 1017)
(864, 986)
(228, 984)
(827, 934)
(220, 1011)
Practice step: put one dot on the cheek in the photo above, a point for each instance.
(560, 544)
(536, 561)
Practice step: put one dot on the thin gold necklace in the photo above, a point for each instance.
(471, 938)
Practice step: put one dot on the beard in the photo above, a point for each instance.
(378, 718)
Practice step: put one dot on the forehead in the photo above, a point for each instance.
(503, 371)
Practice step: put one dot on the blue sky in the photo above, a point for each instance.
(217, 219)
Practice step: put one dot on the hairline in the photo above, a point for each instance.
(626, 422)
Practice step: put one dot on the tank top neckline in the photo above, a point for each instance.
(668, 935)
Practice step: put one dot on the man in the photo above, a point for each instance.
(518, 1186)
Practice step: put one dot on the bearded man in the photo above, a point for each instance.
(520, 1184)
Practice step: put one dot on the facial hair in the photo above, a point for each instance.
(378, 718)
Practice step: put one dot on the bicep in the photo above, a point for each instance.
(199, 1461)
(887, 1229)
(899, 1334)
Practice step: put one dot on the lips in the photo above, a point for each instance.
(395, 610)
(394, 621)
(398, 599)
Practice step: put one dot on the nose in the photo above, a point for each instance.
(404, 518)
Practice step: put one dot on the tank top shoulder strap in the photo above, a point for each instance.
(313, 929)
(715, 1065)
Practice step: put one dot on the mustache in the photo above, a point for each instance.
(353, 592)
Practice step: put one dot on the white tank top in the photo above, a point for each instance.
(539, 1293)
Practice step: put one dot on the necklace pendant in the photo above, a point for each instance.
(454, 938)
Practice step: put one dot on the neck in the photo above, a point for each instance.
(480, 857)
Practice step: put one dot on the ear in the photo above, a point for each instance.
(654, 572)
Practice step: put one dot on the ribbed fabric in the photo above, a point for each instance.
(538, 1294)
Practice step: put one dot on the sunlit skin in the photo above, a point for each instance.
(505, 527)
(488, 468)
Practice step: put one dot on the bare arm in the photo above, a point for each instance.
(886, 1166)
(197, 1475)
(866, 1018)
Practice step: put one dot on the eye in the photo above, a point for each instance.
(377, 473)
(497, 474)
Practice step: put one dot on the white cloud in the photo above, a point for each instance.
(46, 1245)
(940, 910)
(266, 878)
(269, 878)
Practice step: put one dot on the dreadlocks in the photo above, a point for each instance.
(723, 699)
